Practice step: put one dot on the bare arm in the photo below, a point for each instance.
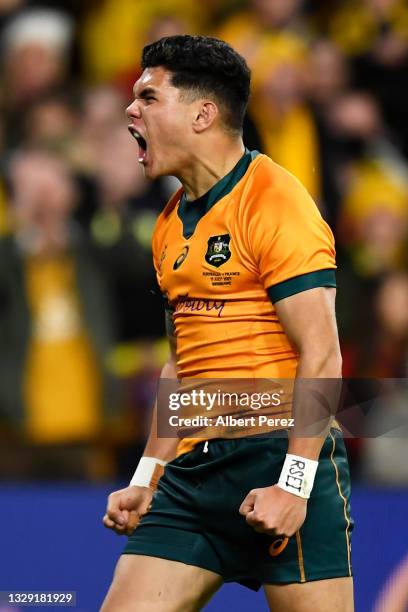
(164, 448)
(126, 506)
(308, 319)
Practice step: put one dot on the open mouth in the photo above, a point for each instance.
(141, 142)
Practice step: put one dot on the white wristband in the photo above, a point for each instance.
(297, 475)
(147, 468)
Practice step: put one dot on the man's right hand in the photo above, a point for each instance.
(126, 507)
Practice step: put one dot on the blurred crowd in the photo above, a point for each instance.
(81, 321)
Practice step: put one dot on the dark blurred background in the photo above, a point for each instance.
(81, 323)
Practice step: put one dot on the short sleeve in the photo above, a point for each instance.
(291, 243)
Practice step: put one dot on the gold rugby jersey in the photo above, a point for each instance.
(222, 261)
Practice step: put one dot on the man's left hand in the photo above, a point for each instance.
(274, 511)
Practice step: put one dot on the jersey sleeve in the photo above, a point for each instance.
(292, 245)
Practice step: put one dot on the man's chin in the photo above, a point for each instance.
(151, 172)
(147, 171)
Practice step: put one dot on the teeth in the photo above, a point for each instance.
(138, 137)
(134, 133)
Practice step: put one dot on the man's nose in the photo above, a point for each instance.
(133, 110)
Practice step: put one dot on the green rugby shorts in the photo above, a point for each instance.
(194, 518)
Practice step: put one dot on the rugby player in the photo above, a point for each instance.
(246, 263)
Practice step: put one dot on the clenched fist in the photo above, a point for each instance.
(274, 511)
(126, 507)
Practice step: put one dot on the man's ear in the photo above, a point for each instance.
(206, 113)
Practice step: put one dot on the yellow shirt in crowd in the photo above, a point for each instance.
(62, 386)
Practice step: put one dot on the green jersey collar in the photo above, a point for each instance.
(190, 212)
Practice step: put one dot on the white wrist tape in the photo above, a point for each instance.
(148, 468)
(297, 475)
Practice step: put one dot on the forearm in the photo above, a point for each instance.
(312, 366)
(324, 363)
(161, 448)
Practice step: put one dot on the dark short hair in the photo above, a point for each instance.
(208, 66)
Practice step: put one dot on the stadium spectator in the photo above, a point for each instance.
(374, 34)
(51, 123)
(281, 113)
(375, 215)
(55, 322)
(357, 139)
(372, 229)
(247, 29)
(326, 79)
(380, 349)
(122, 228)
(36, 45)
(114, 32)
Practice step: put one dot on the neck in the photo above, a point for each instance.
(207, 167)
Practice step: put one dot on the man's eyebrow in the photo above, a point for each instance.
(147, 91)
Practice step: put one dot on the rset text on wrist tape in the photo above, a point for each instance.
(297, 475)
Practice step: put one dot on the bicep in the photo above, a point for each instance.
(309, 319)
